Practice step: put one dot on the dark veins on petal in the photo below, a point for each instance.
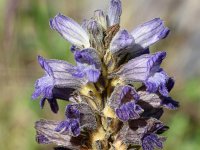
(57, 83)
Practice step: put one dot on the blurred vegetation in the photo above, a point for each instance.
(25, 33)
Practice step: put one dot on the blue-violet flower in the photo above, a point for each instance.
(116, 92)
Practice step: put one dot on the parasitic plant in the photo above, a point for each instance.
(117, 89)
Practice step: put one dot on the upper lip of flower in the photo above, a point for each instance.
(70, 30)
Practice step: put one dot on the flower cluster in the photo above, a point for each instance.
(116, 91)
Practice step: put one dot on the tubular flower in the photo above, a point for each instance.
(107, 109)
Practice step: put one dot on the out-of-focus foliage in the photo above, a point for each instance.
(25, 33)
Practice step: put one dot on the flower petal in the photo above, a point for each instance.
(169, 103)
(93, 75)
(88, 56)
(72, 111)
(151, 141)
(135, 131)
(149, 101)
(157, 82)
(170, 84)
(150, 32)
(128, 111)
(57, 93)
(100, 17)
(70, 30)
(122, 95)
(43, 86)
(146, 69)
(46, 135)
(53, 105)
(70, 127)
(114, 12)
(84, 113)
(123, 102)
(78, 116)
(139, 69)
(62, 125)
(59, 82)
(62, 74)
(96, 34)
(75, 127)
(89, 62)
(121, 42)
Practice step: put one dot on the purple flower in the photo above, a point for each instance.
(143, 132)
(58, 82)
(46, 134)
(70, 30)
(78, 116)
(130, 45)
(123, 100)
(117, 89)
(146, 69)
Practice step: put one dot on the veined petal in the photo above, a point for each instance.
(150, 32)
(146, 69)
(151, 141)
(70, 30)
(72, 111)
(123, 101)
(96, 34)
(43, 86)
(156, 101)
(93, 75)
(88, 56)
(89, 62)
(140, 68)
(95, 29)
(63, 74)
(157, 82)
(114, 12)
(70, 127)
(58, 82)
(100, 17)
(121, 42)
(135, 131)
(46, 134)
(78, 116)
(121, 95)
(84, 113)
(129, 110)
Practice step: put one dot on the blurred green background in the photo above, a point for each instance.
(25, 33)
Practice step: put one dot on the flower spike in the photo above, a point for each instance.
(117, 91)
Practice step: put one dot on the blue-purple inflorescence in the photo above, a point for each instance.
(116, 92)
